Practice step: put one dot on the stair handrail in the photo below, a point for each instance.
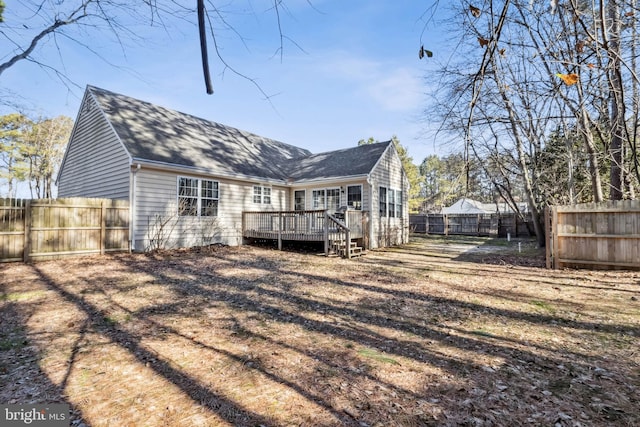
(341, 225)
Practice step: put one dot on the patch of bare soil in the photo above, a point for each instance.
(425, 334)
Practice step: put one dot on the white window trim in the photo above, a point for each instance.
(391, 203)
(262, 196)
(326, 197)
(385, 213)
(346, 197)
(304, 199)
(198, 196)
(397, 202)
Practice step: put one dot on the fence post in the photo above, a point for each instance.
(554, 234)
(446, 225)
(548, 236)
(27, 231)
(103, 227)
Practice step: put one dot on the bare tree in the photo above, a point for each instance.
(43, 150)
(43, 25)
(539, 68)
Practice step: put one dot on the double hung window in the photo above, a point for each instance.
(390, 202)
(198, 197)
(261, 195)
(382, 198)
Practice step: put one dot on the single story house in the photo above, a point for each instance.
(190, 181)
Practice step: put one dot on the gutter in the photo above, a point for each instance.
(170, 167)
(328, 181)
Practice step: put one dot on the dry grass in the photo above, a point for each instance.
(418, 335)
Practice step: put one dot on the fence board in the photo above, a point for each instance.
(61, 227)
(591, 235)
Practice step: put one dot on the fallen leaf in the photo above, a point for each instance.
(483, 42)
(568, 79)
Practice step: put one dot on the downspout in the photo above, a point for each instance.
(370, 211)
(132, 207)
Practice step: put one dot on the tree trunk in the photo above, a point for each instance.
(616, 190)
(529, 184)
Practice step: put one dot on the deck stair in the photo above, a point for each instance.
(340, 248)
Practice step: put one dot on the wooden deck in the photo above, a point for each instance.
(310, 226)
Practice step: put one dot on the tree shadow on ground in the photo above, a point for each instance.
(22, 380)
(268, 297)
(101, 323)
(376, 347)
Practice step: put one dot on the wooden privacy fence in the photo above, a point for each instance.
(603, 235)
(469, 224)
(44, 228)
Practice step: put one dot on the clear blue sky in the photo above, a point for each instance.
(357, 76)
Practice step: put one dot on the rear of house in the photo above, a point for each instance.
(189, 180)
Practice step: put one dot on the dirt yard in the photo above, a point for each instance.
(439, 332)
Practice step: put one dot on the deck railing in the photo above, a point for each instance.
(310, 225)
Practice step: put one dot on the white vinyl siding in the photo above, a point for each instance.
(95, 164)
(389, 228)
(156, 198)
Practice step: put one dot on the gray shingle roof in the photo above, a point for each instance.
(153, 133)
(157, 134)
(358, 160)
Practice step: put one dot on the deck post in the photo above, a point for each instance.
(280, 230)
(326, 233)
(347, 241)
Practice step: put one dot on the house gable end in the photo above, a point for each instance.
(95, 163)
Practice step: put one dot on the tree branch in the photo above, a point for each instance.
(72, 19)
